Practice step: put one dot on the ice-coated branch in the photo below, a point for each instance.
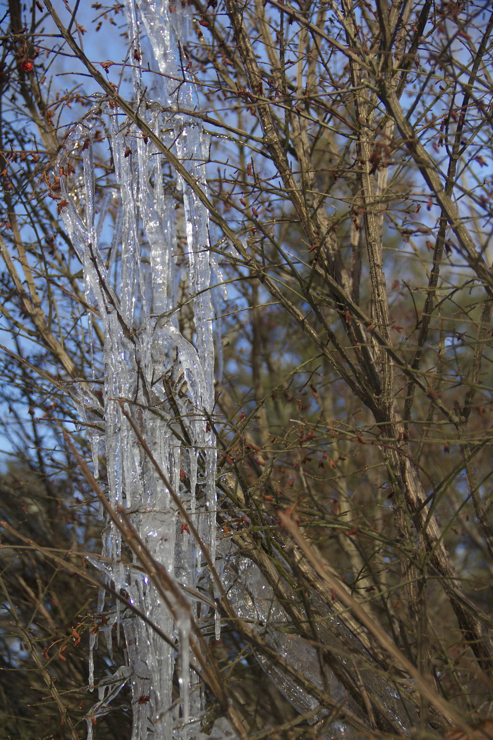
(141, 236)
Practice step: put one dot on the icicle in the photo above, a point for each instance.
(92, 641)
(217, 625)
(184, 630)
(95, 454)
(165, 378)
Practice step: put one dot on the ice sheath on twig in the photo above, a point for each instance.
(148, 274)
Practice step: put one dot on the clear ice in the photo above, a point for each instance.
(141, 235)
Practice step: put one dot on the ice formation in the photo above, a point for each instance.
(254, 600)
(148, 275)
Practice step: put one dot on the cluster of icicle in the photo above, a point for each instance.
(144, 252)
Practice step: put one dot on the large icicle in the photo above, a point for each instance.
(144, 255)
